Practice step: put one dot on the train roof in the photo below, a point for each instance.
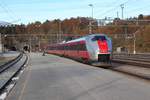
(81, 38)
(84, 38)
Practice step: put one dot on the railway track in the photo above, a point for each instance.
(136, 71)
(139, 67)
(138, 57)
(8, 73)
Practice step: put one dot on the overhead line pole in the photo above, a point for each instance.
(90, 22)
(122, 8)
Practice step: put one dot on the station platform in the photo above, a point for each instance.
(55, 78)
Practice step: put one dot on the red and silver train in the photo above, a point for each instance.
(95, 49)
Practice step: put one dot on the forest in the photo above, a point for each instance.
(122, 32)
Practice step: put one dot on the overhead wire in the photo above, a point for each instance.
(6, 11)
(139, 8)
(112, 9)
(9, 12)
(109, 5)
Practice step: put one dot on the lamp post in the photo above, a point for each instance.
(90, 22)
(122, 7)
(91, 5)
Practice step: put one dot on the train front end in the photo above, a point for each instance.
(100, 50)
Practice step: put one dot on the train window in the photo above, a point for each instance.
(73, 47)
(82, 47)
(102, 38)
(50, 48)
(70, 47)
(61, 47)
(57, 48)
(76, 47)
(67, 47)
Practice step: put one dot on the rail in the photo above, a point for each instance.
(6, 65)
(11, 69)
(133, 59)
(133, 64)
(131, 55)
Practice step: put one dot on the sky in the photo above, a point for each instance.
(27, 11)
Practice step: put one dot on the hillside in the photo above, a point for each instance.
(121, 31)
(3, 23)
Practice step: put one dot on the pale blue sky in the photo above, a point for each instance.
(25, 11)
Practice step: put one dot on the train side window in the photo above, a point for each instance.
(83, 47)
(76, 47)
(68, 47)
(51, 48)
(73, 47)
(59, 47)
(62, 47)
(79, 47)
(65, 47)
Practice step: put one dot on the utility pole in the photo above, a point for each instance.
(90, 22)
(122, 8)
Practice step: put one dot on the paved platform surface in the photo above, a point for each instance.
(54, 78)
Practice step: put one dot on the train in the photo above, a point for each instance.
(94, 49)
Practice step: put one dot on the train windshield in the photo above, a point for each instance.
(102, 38)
